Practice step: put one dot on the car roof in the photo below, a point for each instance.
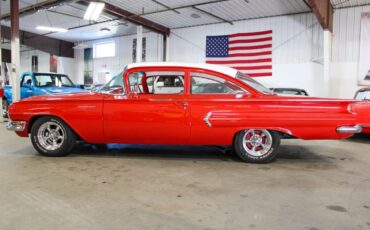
(218, 68)
(288, 89)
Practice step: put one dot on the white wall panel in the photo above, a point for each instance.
(116, 64)
(296, 38)
(346, 33)
(345, 51)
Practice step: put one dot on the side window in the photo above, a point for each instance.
(202, 83)
(26, 81)
(157, 82)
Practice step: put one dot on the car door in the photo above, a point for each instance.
(26, 86)
(214, 102)
(144, 116)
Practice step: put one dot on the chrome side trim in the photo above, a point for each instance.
(206, 119)
(349, 129)
(16, 126)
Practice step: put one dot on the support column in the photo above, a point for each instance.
(166, 48)
(15, 49)
(327, 61)
(139, 43)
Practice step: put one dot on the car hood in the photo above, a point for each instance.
(78, 96)
(53, 90)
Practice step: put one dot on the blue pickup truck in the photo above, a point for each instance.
(33, 84)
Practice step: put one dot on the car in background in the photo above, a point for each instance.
(32, 84)
(289, 91)
(363, 95)
(184, 104)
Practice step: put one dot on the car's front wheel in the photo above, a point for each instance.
(5, 108)
(52, 137)
(257, 145)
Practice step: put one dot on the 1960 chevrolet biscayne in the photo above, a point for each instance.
(184, 104)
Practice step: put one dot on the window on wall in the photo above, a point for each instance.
(104, 50)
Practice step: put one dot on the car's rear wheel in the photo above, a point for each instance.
(52, 137)
(257, 145)
(5, 108)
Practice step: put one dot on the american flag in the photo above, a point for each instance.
(250, 53)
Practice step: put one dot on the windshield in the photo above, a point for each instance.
(114, 86)
(363, 95)
(253, 83)
(52, 80)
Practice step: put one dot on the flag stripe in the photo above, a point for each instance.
(249, 51)
(251, 54)
(252, 44)
(249, 37)
(240, 61)
(267, 74)
(253, 67)
(251, 34)
(250, 40)
(250, 47)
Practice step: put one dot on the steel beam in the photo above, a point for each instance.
(212, 15)
(15, 49)
(40, 42)
(35, 7)
(323, 10)
(131, 17)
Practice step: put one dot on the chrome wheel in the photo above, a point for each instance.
(51, 135)
(257, 142)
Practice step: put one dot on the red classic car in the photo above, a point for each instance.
(184, 104)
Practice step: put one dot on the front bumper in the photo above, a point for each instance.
(16, 126)
(350, 129)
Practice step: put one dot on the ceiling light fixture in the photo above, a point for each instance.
(94, 11)
(194, 15)
(51, 29)
(105, 30)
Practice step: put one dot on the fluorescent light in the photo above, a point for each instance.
(51, 29)
(94, 10)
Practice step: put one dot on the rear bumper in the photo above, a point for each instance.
(350, 129)
(16, 126)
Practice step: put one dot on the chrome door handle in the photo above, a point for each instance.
(182, 103)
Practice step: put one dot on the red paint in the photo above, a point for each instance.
(179, 119)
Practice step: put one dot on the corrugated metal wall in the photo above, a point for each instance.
(346, 33)
(296, 38)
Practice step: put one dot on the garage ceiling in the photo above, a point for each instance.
(348, 3)
(169, 13)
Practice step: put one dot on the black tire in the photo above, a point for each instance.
(240, 147)
(5, 108)
(65, 147)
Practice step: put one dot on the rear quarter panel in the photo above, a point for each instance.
(307, 119)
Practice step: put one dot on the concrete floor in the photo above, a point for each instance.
(312, 185)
